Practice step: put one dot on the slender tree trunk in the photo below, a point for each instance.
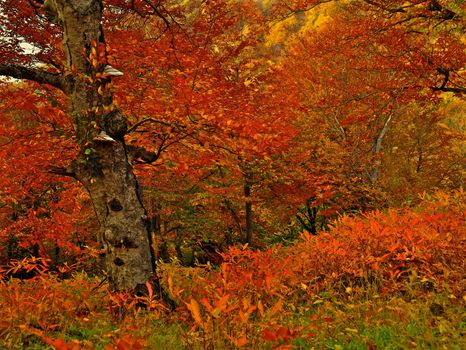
(103, 167)
(234, 216)
(248, 208)
(374, 176)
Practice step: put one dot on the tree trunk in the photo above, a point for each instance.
(122, 218)
(374, 176)
(248, 207)
(102, 167)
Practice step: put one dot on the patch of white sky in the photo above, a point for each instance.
(7, 36)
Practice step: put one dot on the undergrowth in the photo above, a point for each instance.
(392, 280)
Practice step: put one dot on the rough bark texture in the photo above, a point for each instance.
(103, 166)
(121, 215)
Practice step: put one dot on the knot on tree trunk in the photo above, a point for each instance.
(118, 262)
(115, 205)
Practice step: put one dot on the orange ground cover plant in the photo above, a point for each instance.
(386, 251)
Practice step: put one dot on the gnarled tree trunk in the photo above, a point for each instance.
(103, 166)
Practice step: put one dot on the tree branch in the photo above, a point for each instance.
(456, 90)
(234, 216)
(148, 120)
(64, 171)
(381, 6)
(39, 76)
(140, 153)
(446, 79)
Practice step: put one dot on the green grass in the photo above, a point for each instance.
(391, 323)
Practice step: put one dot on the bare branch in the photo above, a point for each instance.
(156, 10)
(145, 121)
(37, 75)
(446, 79)
(140, 153)
(388, 9)
(456, 90)
(293, 11)
(64, 171)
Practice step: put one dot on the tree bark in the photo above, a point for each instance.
(374, 176)
(103, 166)
(248, 207)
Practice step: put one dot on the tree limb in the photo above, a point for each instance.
(446, 79)
(147, 120)
(136, 152)
(64, 171)
(234, 216)
(456, 90)
(37, 75)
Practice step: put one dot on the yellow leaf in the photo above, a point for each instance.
(352, 330)
(244, 317)
(216, 312)
(246, 303)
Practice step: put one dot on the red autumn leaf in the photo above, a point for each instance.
(269, 335)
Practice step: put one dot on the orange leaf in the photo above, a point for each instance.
(240, 342)
(207, 305)
(149, 290)
(276, 308)
(195, 311)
